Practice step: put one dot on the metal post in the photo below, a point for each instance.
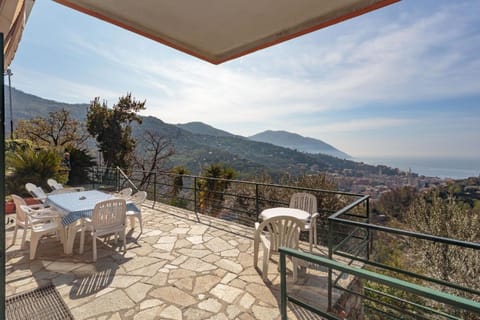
(9, 74)
(283, 286)
(195, 194)
(369, 236)
(154, 189)
(256, 201)
(330, 256)
(2, 186)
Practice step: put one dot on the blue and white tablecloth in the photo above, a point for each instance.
(78, 205)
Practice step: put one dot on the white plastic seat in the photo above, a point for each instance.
(307, 202)
(138, 198)
(21, 219)
(108, 217)
(124, 193)
(41, 224)
(281, 231)
(59, 188)
(36, 191)
(54, 185)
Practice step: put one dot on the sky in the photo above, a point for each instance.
(402, 81)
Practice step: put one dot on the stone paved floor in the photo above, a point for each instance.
(178, 269)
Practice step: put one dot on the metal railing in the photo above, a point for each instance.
(344, 226)
(232, 200)
(422, 291)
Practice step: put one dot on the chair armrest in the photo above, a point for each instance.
(314, 216)
(37, 206)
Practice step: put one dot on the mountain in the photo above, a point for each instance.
(197, 127)
(207, 145)
(297, 142)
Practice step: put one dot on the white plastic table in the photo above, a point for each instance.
(74, 206)
(292, 212)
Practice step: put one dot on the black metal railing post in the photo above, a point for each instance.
(195, 194)
(117, 178)
(369, 237)
(154, 189)
(256, 201)
(330, 256)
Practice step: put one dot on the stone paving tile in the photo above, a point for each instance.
(177, 269)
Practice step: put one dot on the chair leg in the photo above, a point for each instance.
(140, 222)
(266, 257)
(310, 238)
(15, 234)
(33, 245)
(82, 240)
(132, 221)
(24, 237)
(295, 269)
(124, 235)
(94, 246)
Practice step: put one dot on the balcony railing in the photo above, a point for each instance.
(344, 226)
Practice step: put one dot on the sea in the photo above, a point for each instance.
(454, 168)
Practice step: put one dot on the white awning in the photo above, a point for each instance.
(219, 30)
(13, 17)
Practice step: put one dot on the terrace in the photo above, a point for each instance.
(188, 265)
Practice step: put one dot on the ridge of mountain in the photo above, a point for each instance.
(297, 142)
(196, 151)
(198, 127)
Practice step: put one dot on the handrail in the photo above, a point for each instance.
(447, 298)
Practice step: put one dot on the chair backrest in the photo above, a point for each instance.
(304, 201)
(52, 183)
(283, 231)
(36, 191)
(125, 193)
(139, 197)
(19, 212)
(109, 214)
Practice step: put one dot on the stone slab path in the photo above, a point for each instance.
(178, 268)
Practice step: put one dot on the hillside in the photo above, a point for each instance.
(196, 151)
(297, 142)
(205, 129)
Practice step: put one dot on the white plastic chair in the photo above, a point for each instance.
(40, 225)
(138, 198)
(281, 231)
(59, 188)
(124, 193)
(21, 219)
(36, 191)
(108, 217)
(54, 185)
(307, 202)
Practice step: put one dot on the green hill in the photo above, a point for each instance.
(297, 142)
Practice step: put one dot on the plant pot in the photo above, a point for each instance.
(9, 207)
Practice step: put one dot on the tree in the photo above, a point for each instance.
(35, 166)
(80, 162)
(58, 130)
(154, 149)
(211, 191)
(112, 130)
(448, 218)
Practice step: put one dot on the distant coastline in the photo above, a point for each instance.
(455, 168)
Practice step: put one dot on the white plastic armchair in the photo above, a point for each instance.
(54, 185)
(36, 191)
(273, 233)
(108, 217)
(41, 224)
(21, 218)
(307, 202)
(138, 198)
(124, 193)
(59, 188)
